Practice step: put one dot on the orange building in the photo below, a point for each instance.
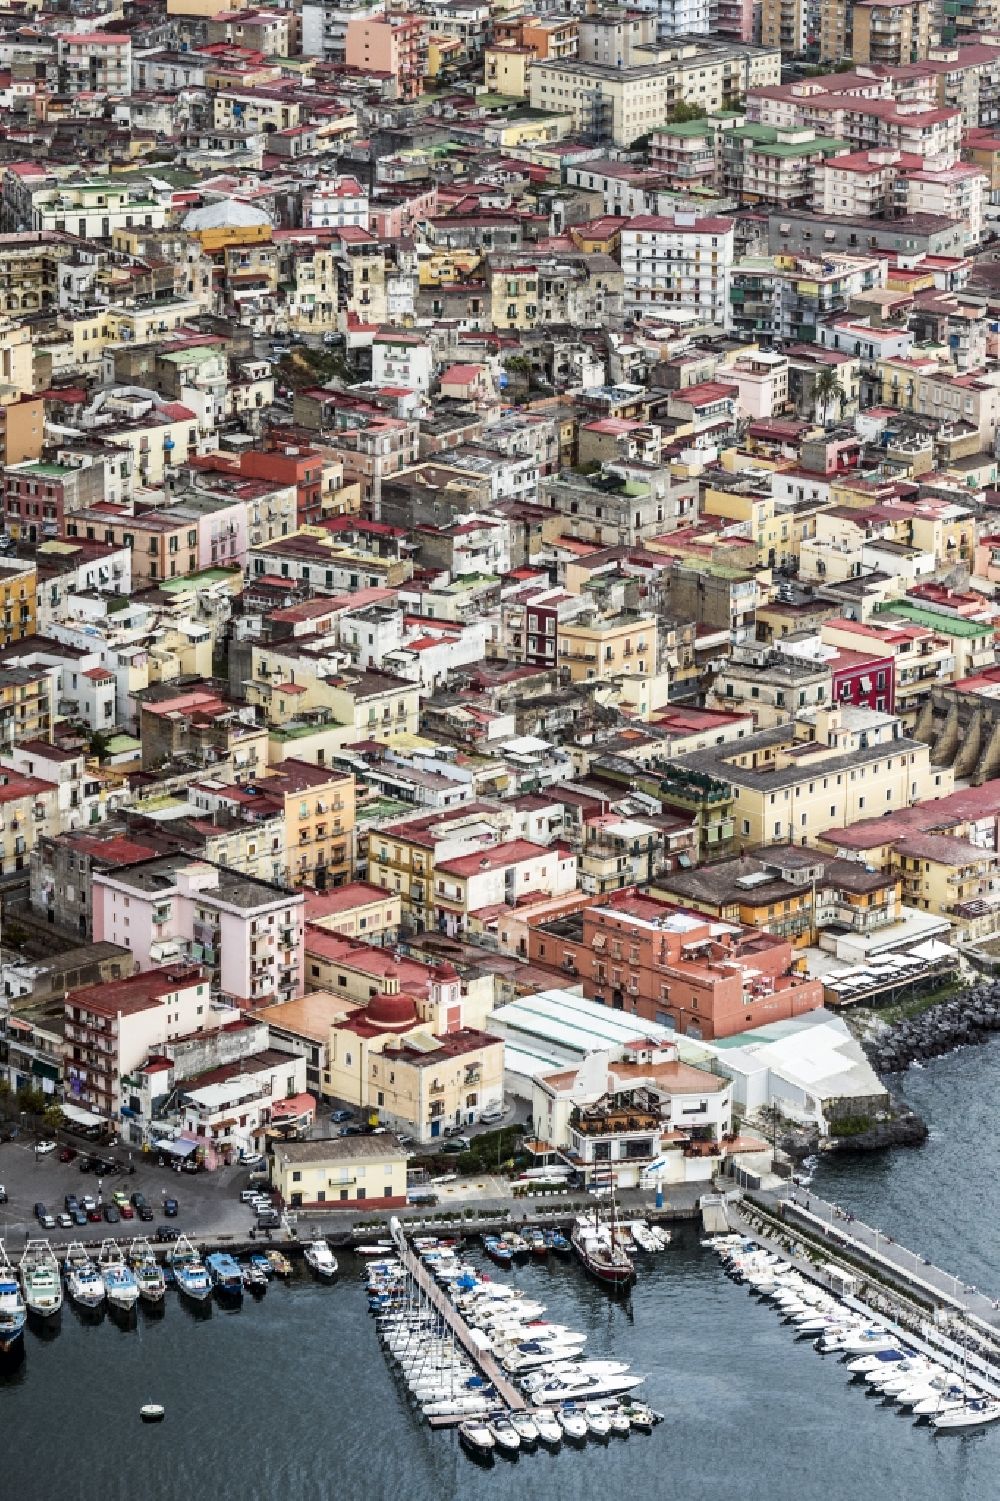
(390, 44)
(666, 964)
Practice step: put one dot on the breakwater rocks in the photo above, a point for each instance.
(963, 1020)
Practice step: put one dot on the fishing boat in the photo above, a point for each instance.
(254, 1278)
(320, 1259)
(40, 1281)
(84, 1283)
(152, 1283)
(120, 1283)
(498, 1250)
(477, 1438)
(558, 1243)
(225, 1274)
(641, 1417)
(280, 1265)
(190, 1271)
(13, 1312)
(598, 1248)
(537, 1244)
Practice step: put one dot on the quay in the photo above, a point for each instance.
(449, 1315)
(936, 1330)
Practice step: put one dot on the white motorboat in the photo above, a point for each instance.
(536, 1379)
(942, 1401)
(320, 1259)
(573, 1423)
(375, 1248)
(902, 1371)
(971, 1414)
(598, 1420)
(526, 1429)
(477, 1437)
(878, 1360)
(620, 1422)
(84, 1283)
(505, 1435)
(152, 1412)
(456, 1407)
(548, 1428)
(873, 1337)
(566, 1389)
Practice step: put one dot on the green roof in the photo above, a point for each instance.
(47, 471)
(685, 128)
(936, 620)
(117, 745)
(765, 139)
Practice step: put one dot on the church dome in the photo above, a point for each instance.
(391, 1011)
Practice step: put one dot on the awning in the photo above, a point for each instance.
(179, 1148)
(81, 1117)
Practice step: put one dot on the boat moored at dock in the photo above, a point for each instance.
(225, 1275)
(13, 1310)
(40, 1280)
(84, 1283)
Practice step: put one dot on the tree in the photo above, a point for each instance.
(826, 389)
(683, 111)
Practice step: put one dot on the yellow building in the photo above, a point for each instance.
(18, 600)
(319, 822)
(27, 705)
(413, 1063)
(442, 52)
(892, 32)
(619, 646)
(252, 109)
(340, 1172)
(826, 769)
(436, 267)
(357, 910)
(507, 70)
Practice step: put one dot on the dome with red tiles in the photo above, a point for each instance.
(391, 1011)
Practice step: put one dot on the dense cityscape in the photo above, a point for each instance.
(499, 696)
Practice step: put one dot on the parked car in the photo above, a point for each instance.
(268, 1219)
(404, 1140)
(126, 1211)
(40, 1211)
(85, 1164)
(79, 1217)
(280, 350)
(248, 1195)
(71, 1202)
(457, 1144)
(43, 1148)
(64, 1221)
(166, 1233)
(190, 1166)
(3, 1194)
(341, 1115)
(252, 1159)
(492, 1116)
(138, 1199)
(170, 1207)
(111, 1214)
(453, 1131)
(352, 1131)
(67, 1154)
(87, 1203)
(95, 1215)
(145, 1213)
(422, 1196)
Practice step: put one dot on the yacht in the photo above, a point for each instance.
(602, 1254)
(573, 1423)
(580, 1368)
(598, 1420)
(549, 1430)
(83, 1281)
(477, 1437)
(504, 1434)
(971, 1414)
(13, 1312)
(526, 1429)
(40, 1280)
(320, 1259)
(567, 1388)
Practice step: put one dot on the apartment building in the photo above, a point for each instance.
(595, 648)
(94, 62)
(679, 262)
(830, 765)
(395, 44)
(174, 908)
(111, 1028)
(767, 164)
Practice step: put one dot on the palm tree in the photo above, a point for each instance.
(826, 389)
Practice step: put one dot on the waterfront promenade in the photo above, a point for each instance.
(834, 1224)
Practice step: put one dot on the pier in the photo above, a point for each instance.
(484, 1360)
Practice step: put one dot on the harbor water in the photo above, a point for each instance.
(291, 1396)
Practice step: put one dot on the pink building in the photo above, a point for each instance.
(170, 909)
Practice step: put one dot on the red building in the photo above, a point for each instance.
(864, 681)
